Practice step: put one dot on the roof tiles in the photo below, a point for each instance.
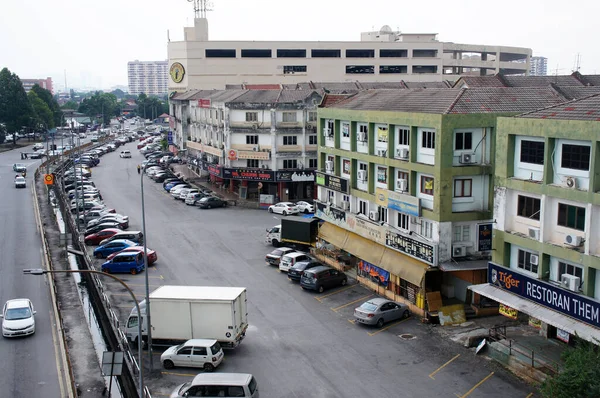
(505, 100)
(587, 108)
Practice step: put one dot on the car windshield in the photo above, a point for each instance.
(277, 252)
(215, 348)
(14, 314)
(368, 306)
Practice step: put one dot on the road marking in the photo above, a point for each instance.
(180, 374)
(352, 321)
(156, 277)
(332, 293)
(352, 302)
(475, 386)
(387, 327)
(442, 367)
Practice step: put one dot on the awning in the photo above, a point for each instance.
(333, 234)
(406, 267)
(538, 311)
(364, 249)
(473, 265)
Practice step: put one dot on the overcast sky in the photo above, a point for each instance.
(94, 40)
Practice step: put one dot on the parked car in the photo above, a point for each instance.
(192, 198)
(123, 221)
(164, 177)
(378, 311)
(99, 227)
(185, 192)
(176, 186)
(172, 180)
(83, 206)
(218, 385)
(132, 263)
(20, 182)
(125, 154)
(97, 237)
(284, 208)
(208, 202)
(305, 207)
(134, 236)
(290, 259)
(321, 278)
(152, 256)
(295, 273)
(111, 247)
(274, 257)
(18, 318)
(196, 353)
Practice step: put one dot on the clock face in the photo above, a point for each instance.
(177, 72)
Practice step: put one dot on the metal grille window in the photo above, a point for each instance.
(463, 188)
(363, 208)
(290, 164)
(312, 116)
(252, 163)
(251, 116)
(532, 152)
(312, 139)
(575, 157)
(251, 140)
(290, 117)
(463, 141)
(462, 233)
(571, 216)
(403, 221)
(383, 214)
(312, 163)
(528, 207)
(524, 261)
(426, 229)
(403, 136)
(428, 139)
(290, 140)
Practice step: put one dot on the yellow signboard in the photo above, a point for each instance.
(49, 179)
(382, 134)
(508, 312)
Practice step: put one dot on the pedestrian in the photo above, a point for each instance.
(139, 168)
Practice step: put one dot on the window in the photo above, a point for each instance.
(363, 131)
(345, 130)
(312, 163)
(424, 69)
(403, 136)
(287, 69)
(424, 53)
(575, 157)
(290, 140)
(325, 53)
(253, 53)
(383, 214)
(252, 163)
(463, 188)
(524, 261)
(200, 351)
(185, 351)
(329, 130)
(427, 185)
(426, 229)
(382, 174)
(463, 141)
(362, 207)
(290, 164)
(360, 69)
(393, 69)
(312, 139)
(565, 268)
(312, 116)
(289, 117)
(393, 53)
(292, 53)
(462, 233)
(360, 53)
(528, 207)
(403, 221)
(532, 152)
(252, 140)
(251, 116)
(330, 196)
(571, 216)
(428, 139)
(216, 53)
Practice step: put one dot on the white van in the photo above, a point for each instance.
(289, 260)
(213, 385)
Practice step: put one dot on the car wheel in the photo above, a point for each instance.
(208, 367)
(168, 364)
(224, 204)
(305, 211)
(275, 243)
(270, 210)
(133, 271)
(380, 323)
(405, 314)
(284, 213)
(344, 281)
(208, 207)
(321, 289)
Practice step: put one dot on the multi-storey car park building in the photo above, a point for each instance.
(405, 185)
(381, 56)
(546, 258)
(148, 77)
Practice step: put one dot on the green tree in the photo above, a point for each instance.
(118, 93)
(47, 97)
(580, 377)
(15, 109)
(70, 105)
(2, 133)
(100, 106)
(42, 114)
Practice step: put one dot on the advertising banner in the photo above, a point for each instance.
(373, 272)
(332, 182)
(398, 201)
(508, 312)
(249, 174)
(484, 237)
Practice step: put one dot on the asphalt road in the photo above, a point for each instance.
(28, 365)
(299, 344)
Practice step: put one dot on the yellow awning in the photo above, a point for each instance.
(333, 234)
(364, 249)
(406, 267)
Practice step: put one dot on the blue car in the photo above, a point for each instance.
(171, 185)
(112, 247)
(132, 263)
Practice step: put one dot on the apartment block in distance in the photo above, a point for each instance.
(405, 186)
(546, 259)
(148, 77)
(43, 83)
(380, 56)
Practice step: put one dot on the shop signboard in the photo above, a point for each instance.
(204, 103)
(484, 237)
(332, 182)
(376, 274)
(214, 170)
(398, 201)
(508, 312)
(331, 214)
(564, 301)
(249, 174)
(414, 248)
(170, 138)
(295, 176)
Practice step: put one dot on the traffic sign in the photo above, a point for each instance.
(49, 179)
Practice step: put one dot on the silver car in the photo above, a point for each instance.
(378, 311)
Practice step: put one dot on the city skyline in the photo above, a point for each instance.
(95, 56)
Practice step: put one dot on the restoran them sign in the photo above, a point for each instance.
(564, 301)
(401, 202)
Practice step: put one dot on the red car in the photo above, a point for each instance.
(152, 257)
(95, 239)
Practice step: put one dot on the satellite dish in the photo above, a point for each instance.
(385, 29)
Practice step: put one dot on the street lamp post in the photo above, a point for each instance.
(149, 328)
(40, 271)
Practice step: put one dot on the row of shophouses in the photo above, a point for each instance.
(487, 196)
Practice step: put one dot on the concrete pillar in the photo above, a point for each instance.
(273, 139)
(200, 29)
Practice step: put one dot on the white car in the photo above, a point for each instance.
(20, 182)
(18, 318)
(284, 208)
(305, 207)
(153, 170)
(195, 353)
(176, 190)
(38, 146)
(187, 191)
(125, 154)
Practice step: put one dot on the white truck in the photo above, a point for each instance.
(181, 313)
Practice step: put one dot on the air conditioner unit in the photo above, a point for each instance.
(331, 200)
(571, 182)
(402, 153)
(401, 185)
(534, 259)
(329, 133)
(534, 233)
(362, 136)
(346, 205)
(374, 215)
(381, 152)
(467, 158)
(570, 282)
(362, 175)
(255, 148)
(254, 126)
(309, 127)
(573, 240)
(329, 166)
(459, 251)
